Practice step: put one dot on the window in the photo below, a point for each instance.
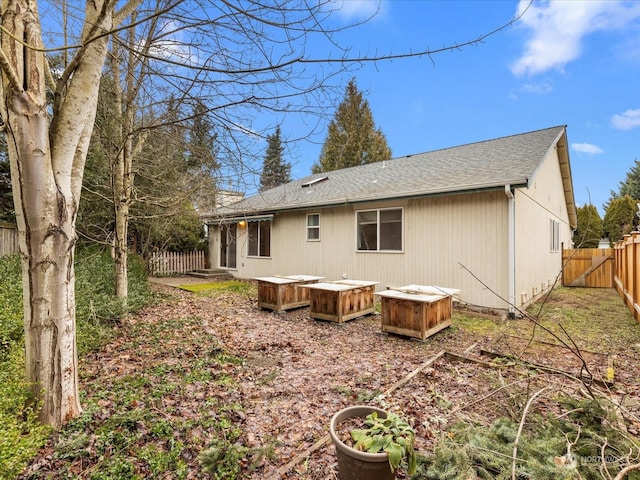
(555, 236)
(260, 239)
(313, 227)
(379, 230)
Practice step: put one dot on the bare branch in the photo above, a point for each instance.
(628, 469)
(7, 68)
(520, 427)
(573, 349)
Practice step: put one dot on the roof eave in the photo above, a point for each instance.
(515, 183)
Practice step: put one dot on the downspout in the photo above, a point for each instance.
(511, 233)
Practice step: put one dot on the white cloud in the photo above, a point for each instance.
(541, 88)
(626, 120)
(587, 148)
(557, 29)
(357, 9)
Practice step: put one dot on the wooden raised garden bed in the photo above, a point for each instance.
(284, 293)
(416, 310)
(341, 300)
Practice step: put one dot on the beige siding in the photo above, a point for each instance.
(446, 240)
(536, 265)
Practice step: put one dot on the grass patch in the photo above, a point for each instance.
(477, 325)
(567, 310)
(235, 286)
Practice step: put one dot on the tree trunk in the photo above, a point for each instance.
(121, 213)
(122, 197)
(46, 218)
(47, 156)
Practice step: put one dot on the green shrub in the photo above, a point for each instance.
(20, 433)
(223, 459)
(96, 309)
(11, 324)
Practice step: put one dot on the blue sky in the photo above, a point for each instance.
(568, 62)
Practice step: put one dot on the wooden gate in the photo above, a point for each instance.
(588, 267)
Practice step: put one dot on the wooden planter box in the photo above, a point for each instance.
(416, 311)
(342, 300)
(284, 293)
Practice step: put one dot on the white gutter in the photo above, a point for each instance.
(511, 229)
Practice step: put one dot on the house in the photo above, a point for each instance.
(489, 218)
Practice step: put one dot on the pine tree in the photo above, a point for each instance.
(203, 150)
(275, 171)
(589, 230)
(620, 217)
(630, 186)
(353, 138)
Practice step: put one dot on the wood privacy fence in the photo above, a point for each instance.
(588, 267)
(8, 240)
(627, 260)
(162, 264)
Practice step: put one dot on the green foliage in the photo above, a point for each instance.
(21, 435)
(96, 308)
(631, 184)
(202, 142)
(184, 233)
(7, 212)
(275, 171)
(589, 231)
(391, 435)
(620, 217)
(168, 183)
(223, 459)
(544, 450)
(96, 305)
(353, 138)
(11, 323)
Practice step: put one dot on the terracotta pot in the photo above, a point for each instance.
(354, 464)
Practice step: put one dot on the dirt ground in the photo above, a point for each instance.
(302, 371)
(296, 372)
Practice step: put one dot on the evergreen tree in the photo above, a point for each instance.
(203, 167)
(203, 150)
(620, 217)
(589, 230)
(7, 212)
(630, 186)
(353, 138)
(275, 171)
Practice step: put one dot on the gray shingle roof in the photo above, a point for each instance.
(476, 166)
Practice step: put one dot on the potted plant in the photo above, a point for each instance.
(378, 446)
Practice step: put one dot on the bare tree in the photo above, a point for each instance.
(235, 57)
(47, 150)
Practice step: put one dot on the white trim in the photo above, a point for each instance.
(378, 236)
(511, 234)
(313, 227)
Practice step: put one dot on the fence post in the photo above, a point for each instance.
(635, 284)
